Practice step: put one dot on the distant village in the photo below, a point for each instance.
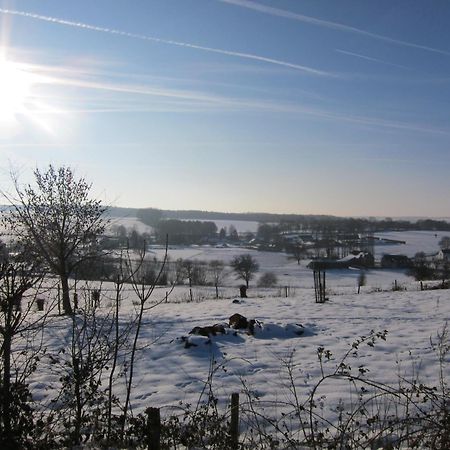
(327, 244)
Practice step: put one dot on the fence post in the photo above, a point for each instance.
(234, 423)
(59, 300)
(153, 428)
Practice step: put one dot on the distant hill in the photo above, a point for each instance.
(196, 214)
(249, 216)
(117, 211)
(152, 215)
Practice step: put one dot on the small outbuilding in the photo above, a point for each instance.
(355, 259)
(396, 262)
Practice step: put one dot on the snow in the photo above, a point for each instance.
(288, 272)
(292, 328)
(242, 226)
(130, 223)
(288, 332)
(416, 241)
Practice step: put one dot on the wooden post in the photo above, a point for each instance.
(319, 278)
(153, 429)
(322, 288)
(286, 290)
(315, 285)
(319, 285)
(59, 299)
(234, 423)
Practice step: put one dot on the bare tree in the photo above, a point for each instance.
(216, 270)
(422, 269)
(143, 293)
(245, 267)
(88, 355)
(444, 243)
(297, 250)
(16, 279)
(57, 221)
(188, 272)
(267, 280)
(120, 338)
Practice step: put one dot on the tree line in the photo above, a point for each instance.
(152, 216)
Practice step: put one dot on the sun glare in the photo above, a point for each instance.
(19, 104)
(15, 89)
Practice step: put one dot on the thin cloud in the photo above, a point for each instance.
(340, 117)
(189, 101)
(140, 90)
(375, 122)
(143, 37)
(369, 58)
(328, 24)
(196, 102)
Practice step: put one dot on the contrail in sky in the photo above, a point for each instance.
(369, 58)
(144, 37)
(327, 24)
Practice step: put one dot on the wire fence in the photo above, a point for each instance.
(105, 294)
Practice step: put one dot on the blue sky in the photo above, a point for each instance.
(303, 106)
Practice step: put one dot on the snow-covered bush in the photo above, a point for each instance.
(267, 280)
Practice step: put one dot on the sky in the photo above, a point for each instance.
(287, 106)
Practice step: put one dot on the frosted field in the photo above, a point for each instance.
(130, 223)
(288, 272)
(167, 372)
(416, 241)
(242, 226)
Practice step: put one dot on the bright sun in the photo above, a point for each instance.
(15, 90)
(18, 103)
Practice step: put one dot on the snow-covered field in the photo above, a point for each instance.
(167, 372)
(173, 366)
(415, 241)
(242, 226)
(130, 223)
(288, 272)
